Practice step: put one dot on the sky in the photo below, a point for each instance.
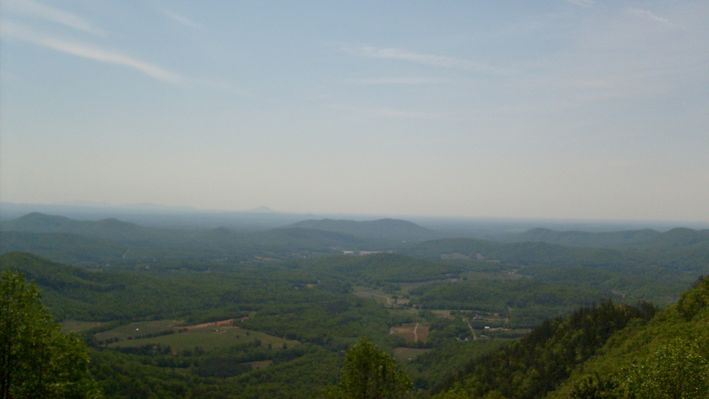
(554, 109)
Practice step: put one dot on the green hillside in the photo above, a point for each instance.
(607, 351)
(612, 239)
(645, 238)
(670, 350)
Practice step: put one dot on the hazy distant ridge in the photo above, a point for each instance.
(627, 238)
(385, 229)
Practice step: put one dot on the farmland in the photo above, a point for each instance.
(413, 333)
(207, 338)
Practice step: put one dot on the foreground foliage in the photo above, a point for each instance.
(36, 359)
(667, 358)
(370, 373)
(540, 361)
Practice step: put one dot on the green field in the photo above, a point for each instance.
(259, 364)
(137, 330)
(377, 295)
(208, 338)
(76, 326)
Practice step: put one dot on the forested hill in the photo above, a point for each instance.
(667, 357)
(584, 238)
(645, 238)
(383, 229)
(608, 351)
(676, 250)
(106, 228)
(111, 241)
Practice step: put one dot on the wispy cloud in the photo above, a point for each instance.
(649, 16)
(180, 19)
(397, 81)
(581, 3)
(435, 60)
(41, 11)
(384, 112)
(90, 52)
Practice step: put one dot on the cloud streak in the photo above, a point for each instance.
(180, 19)
(397, 81)
(649, 16)
(37, 10)
(89, 52)
(581, 3)
(435, 60)
(383, 112)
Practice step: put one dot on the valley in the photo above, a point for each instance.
(230, 309)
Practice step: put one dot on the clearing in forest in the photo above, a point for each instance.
(403, 354)
(209, 338)
(412, 332)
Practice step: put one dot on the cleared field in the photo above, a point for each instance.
(220, 323)
(413, 332)
(75, 326)
(495, 275)
(138, 330)
(403, 354)
(444, 314)
(381, 297)
(208, 338)
(260, 364)
(371, 293)
(407, 287)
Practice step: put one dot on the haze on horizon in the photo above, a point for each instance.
(553, 109)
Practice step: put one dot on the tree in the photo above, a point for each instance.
(596, 387)
(370, 373)
(693, 301)
(676, 370)
(36, 359)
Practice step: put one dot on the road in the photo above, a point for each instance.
(472, 330)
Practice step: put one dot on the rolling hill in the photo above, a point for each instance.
(110, 240)
(645, 238)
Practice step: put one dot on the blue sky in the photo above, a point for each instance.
(568, 109)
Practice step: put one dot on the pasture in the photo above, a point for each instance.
(412, 332)
(208, 338)
(137, 330)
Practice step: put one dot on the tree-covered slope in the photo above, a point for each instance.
(612, 239)
(645, 238)
(662, 358)
(113, 229)
(63, 247)
(606, 351)
(544, 358)
(77, 293)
